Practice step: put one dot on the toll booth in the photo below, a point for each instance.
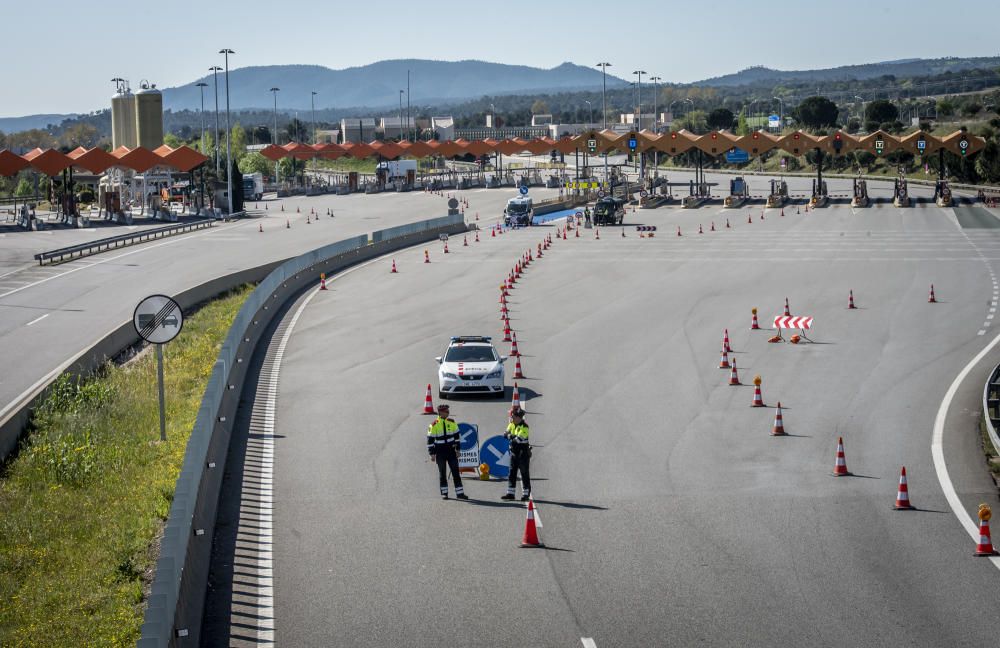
(352, 181)
(942, 193)
(779, 193)
(900, 194)
(860, 196)
(819, 196)
(739, 193)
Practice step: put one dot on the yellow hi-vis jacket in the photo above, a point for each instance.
(518, 433)
(442, 433)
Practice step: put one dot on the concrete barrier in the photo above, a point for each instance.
(991, 406)
(174, 609)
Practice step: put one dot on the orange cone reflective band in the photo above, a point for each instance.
(779, 424)
(517, 368)
(678, 230)
(753, 322)
(850, 300)
(787, 313)
(393, 271)
(322, 282)
(840, 468)
(699, 229)
(724, 361)
(725, 340)
(902, 494)
(530, 538)
(930, 298)
(734, 378)
(515, 401)
(428, 403)
(985, 545)
(758, 397)
(506, 330)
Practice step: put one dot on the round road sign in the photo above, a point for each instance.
(643, 193)
(158, 319)
(600, 194)
(579, 214)
(452, 203)
(523, 189)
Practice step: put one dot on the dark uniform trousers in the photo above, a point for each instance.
(520, 460)
(446, 457)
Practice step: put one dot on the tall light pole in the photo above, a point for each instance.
(274, 134)
(201, 86)
(312, 104)
(604, 92)
(401, 114)
(215, 73)
(590, 122)
(229, 145)
(638, 86)
(781, 113)
(862, 109)
(656, 91)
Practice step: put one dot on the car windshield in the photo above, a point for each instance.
(470, 354)
(517, 208)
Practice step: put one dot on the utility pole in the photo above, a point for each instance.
(604, 65)
(312, 103)
(274, 135)
(215, 72)
(229, 145)
(408, 122)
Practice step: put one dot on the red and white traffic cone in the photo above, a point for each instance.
(260, 227)
(749, 219)
(678, 230)
(787, 313)
(282, 206)
(734, 378)
(577, 232)
(428, 403)
(712, 229)
(762, 214)
(504, 313)
(623, 232)
(427, 257)
(307, 219)
(985, 545)
(724, 361)
(902, 494)
(506, 330)
(298, 210)
(477, 236)
(725, 341)
(322, 282)
(493, 232)
(515, 400)
(758, 397)
(850, 300)
(517, 367)
(840, 468)
(530, 538)
(477, 215)
(465, 240)
(597, 233)
(513, 345)
(288, 224)
(931, 299)
(699, 229)
(446, 247)
(564, 233)
(727, 223)
(779, 425)
(782, 211)
(393, 271)
(753, 322)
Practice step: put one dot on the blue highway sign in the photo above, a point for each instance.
(495, 453)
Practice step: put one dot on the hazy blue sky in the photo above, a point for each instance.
(59, 55)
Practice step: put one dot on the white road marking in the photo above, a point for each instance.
(588, 642)
(37, 319)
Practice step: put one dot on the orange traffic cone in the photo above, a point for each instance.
(298, 211)
(727, 223)
(427, 257)
(504, 313)
(260, 227)
(787, 313)
(265, 207)
(515, 401)
(850, 300)
(428, 403)
(393, 271)
(506, 330)
(712, 229)
(758, 398)
(577, 232)
(678, 230)
(749, 219)
(513, 345)
(734, 378)
(840, 468)
(446, 247)
(307, 219)
(493, 232)
(724, 362)
(322, 282)
(902, 494)
(282, 206)
(517, 367)
(753, 322)
(465, 240)
(288, 224)
(725, 340)
(564, 233)
(782, 211)
(762, 214)
(985, 546)
(779, 424)
(477, 236)
(477, 215)
(699, 229)
(930, 298)
(597, 233)
(530, 538)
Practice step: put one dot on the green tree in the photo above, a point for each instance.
(172, 140)
(695, 121)
(296, 131)
(945, 107)
(742, 127)
(988, 163)
(720, 119)
(24, 189)
(881, 111)
(540, 107)
(256, 163)
(816, 112)
(238, 140)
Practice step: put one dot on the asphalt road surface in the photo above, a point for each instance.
(49, 314)
(671, 516)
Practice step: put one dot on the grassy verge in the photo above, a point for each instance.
(83, 503)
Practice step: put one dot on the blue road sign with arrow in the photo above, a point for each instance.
(524, 190)
(495, 453)
(468, 437)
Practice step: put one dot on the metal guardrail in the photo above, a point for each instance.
(174, 609)
(70, 252)
(991, 406)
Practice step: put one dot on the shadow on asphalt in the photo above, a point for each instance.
(571, 505)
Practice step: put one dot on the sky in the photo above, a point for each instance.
(66, 65)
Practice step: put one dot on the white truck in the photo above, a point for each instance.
(519, 211)
(253, 186)
(397, 169)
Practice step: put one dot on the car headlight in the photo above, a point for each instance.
(495, 374)
(449, 375)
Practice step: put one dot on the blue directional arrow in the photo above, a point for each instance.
(495, 453)
(468, 436)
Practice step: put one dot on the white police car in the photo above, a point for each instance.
(471, 365)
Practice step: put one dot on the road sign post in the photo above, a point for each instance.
(158, 319)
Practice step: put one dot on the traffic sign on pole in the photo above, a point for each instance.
(523, 189)
(158, 319)
(468, 451)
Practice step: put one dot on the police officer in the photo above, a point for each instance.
(520, 455)
(443, 444)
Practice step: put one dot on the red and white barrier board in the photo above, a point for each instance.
(799, 322)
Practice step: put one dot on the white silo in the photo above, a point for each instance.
(149, 116)
(123, 118)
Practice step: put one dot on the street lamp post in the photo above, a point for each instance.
(274, 135)
(215, 144)
(590, 106)
(401, 114)
(604, 65)
(229, 144)
(862, 116)
(781, 113)
(312, 104)
(656, 91)
(638, 86)
(201, 86)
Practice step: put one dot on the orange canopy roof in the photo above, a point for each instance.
(273, 152)
(388, 150)
(477, 147)
(418, 149)
(77, 152)
(120, 152)
(449, 148)
(10, 163)
(163, 150)
(140, 159)
(51, 162)
(96, 160)
(360, 151)
(185, 158)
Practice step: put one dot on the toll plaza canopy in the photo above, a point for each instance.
(673, 143)
(51, 162)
